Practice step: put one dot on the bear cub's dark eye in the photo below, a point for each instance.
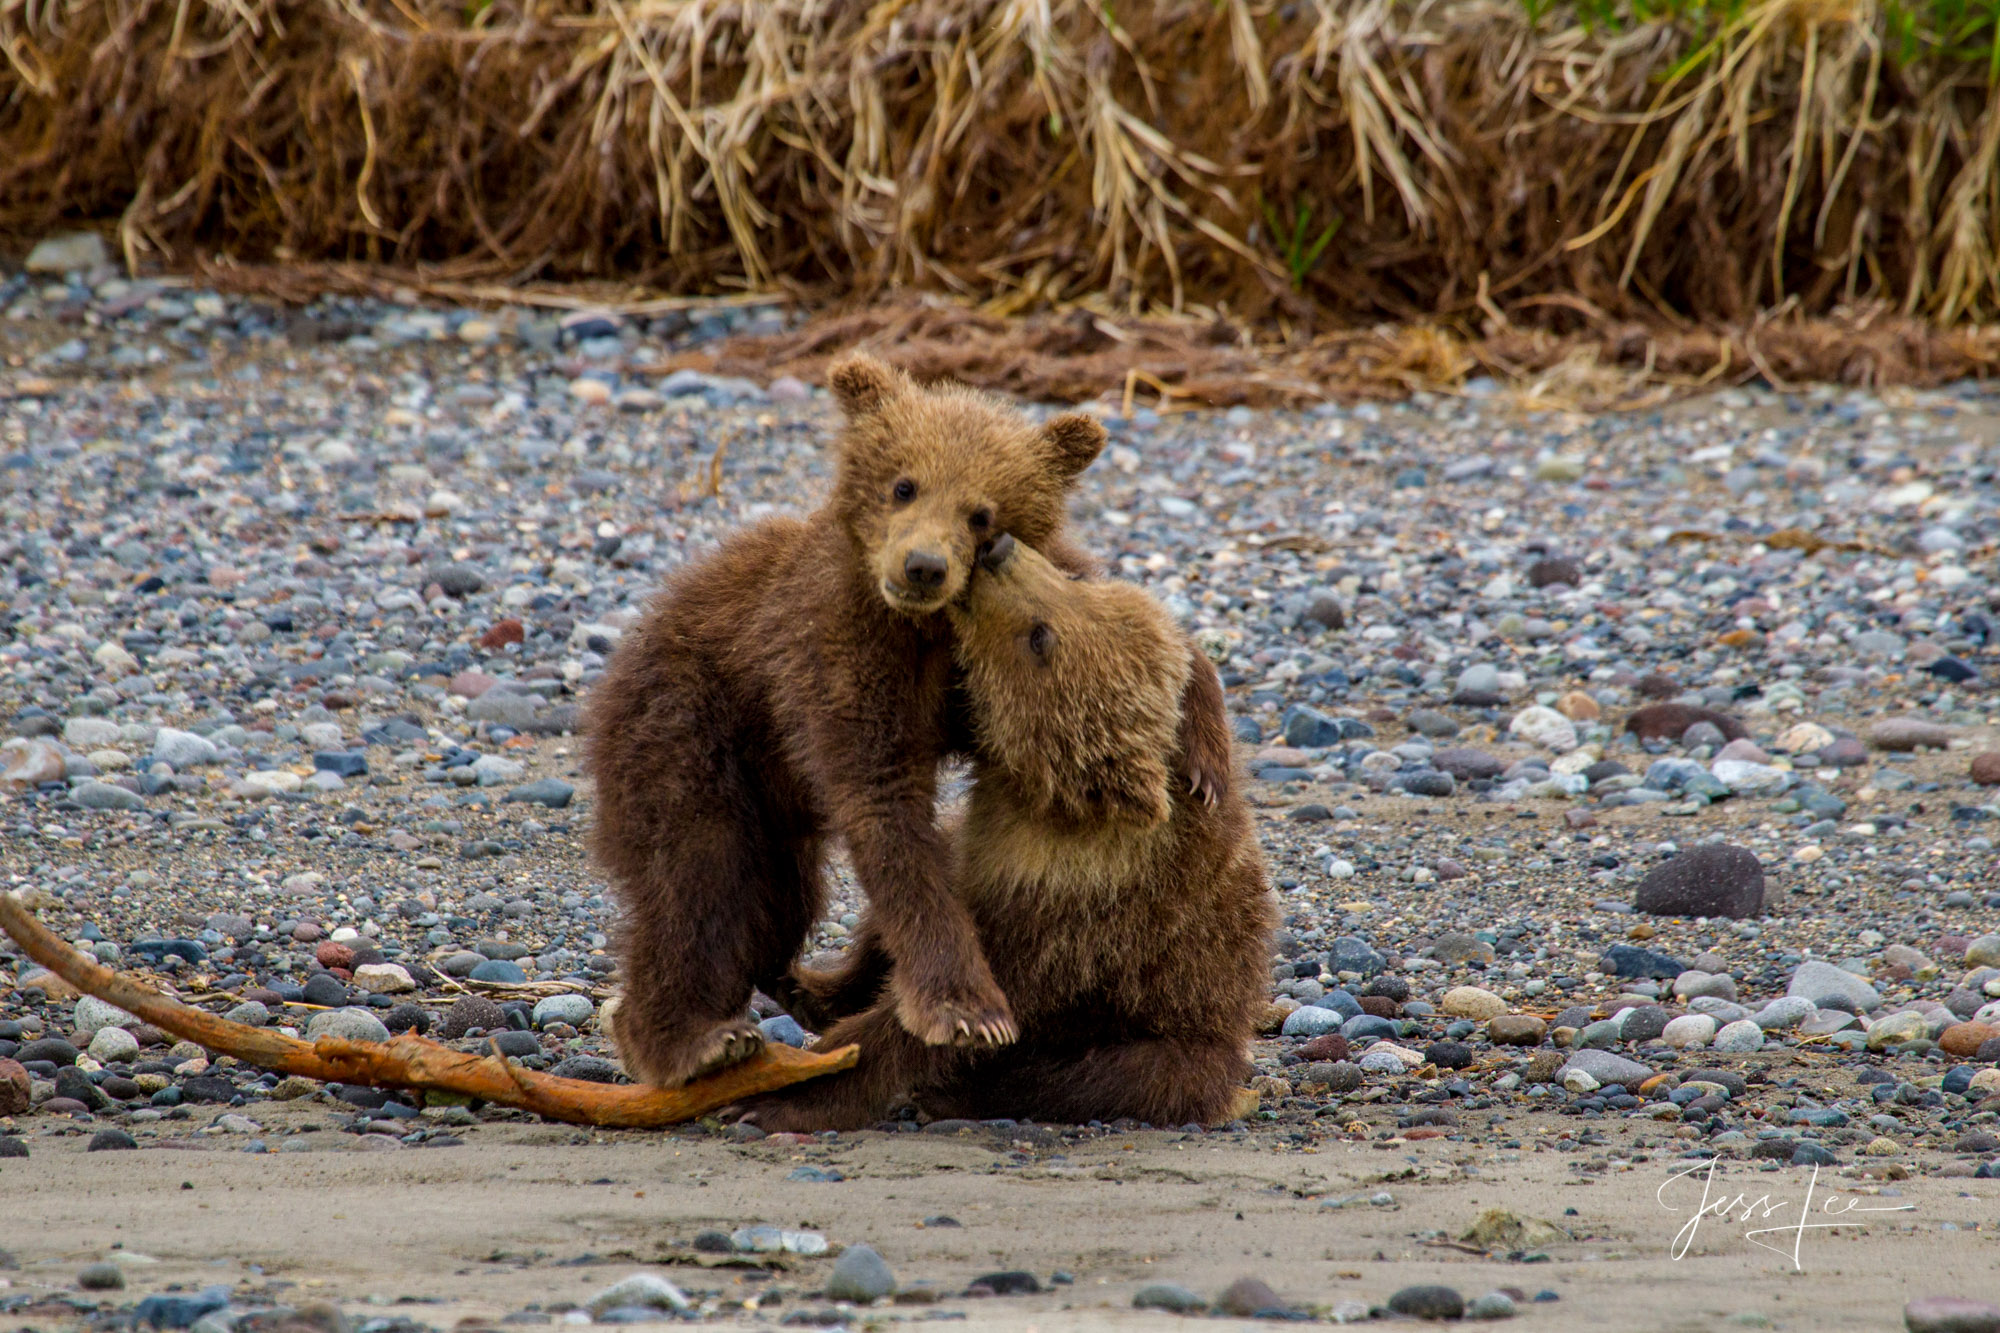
(981, 520)
(905, 491)
(1040, 639)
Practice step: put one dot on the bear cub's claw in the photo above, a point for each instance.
(726, 1046)
(955, 1023)
(730, 1044)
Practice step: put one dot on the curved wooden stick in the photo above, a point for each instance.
(411, 1062)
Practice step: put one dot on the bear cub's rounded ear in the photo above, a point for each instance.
(862, 384)
(1074, 440)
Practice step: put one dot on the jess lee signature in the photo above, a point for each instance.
(1726, 1209)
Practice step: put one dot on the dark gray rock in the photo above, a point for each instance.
(1713, 880)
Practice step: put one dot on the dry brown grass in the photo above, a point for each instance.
(1485, 175)
(1170, 364)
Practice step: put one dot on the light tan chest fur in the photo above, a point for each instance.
(1011, 863)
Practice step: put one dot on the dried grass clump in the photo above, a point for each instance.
(1170, 364)
(1306, 162)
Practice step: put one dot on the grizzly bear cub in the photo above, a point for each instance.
(798, 686)
(1128, 923)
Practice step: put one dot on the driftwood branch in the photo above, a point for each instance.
(412, 1062)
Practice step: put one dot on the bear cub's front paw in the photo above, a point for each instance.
(960, 1016)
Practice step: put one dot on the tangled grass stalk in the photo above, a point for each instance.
(1477, 165)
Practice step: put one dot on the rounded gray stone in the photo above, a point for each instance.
(351, 1024)
(860, 1275)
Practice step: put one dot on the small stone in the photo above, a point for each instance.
(1325, 612)
(1985, 769)
(346, 1024)
(1516, 1030)
(1713, 880)
(93, 1014)
(1739, 1037)
(1804, 738)
(1428, 1302)
(407, 1017)
(1458, 946)
(101, 1277)
(67, 252)
(1311, 1021)
(182, 750)
(16, 1088)
(323, 988)
(860, 1275)
(383, 979)
(1579, 707)
(1248, 1297)
(1896, 1029)
(1689, 1031)
(1331, 1046)
(1606, 1067)
(1632, 962)
(1670, 721)
(1908, 733)
(469, 1012)
(114, 1046)
(574, 1010)
(1965, 1039)
(1011, 1283)
(458, 580)
(1491, 1305)
(106, 796)
(1472, 1002)
(1169, 1297)
(29, 763)
(1448, 1054)
(549, 792)
(1467, 765)
(1544, 727)
(1821, 981)
(1951, 1314)
(111, 1140)
(1646, 1022)
(499, 969)
(1555, 570)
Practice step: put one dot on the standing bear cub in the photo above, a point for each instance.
(798, 686)
(1128, 922)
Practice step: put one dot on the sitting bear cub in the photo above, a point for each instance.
(1128, 923)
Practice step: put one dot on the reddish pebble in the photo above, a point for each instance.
(1965, 1039)
(1381, 1006)
(15, 1088)
(506, 632)
(472, 684)
(1332, 1046)
(1986, 768)
(1667, 722)
(331, 955)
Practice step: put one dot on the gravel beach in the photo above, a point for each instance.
(1628, 783)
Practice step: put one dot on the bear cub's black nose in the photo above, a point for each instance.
(923, 569)
(994, 555)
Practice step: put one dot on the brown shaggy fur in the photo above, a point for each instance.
(799, 686)
(1128, 922)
